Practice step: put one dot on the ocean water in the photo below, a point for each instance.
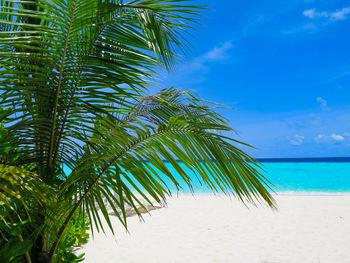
(304, 175)
(325, 177)
(309, 176)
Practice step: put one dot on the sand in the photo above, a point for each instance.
(208, 228)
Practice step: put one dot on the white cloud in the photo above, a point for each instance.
(337, 137)
(218, 53)
(319, 137)
(340, 14)
(297, 140)
(322, 102)
(199, 65)
(311, 13)
(336, 15)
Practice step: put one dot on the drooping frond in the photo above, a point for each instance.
(168, 127)
(73, 77)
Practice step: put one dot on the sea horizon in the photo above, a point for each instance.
(299, 160)
(285, 175)
(305, 159)
(308, 175)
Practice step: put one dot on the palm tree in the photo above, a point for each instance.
(74, 76)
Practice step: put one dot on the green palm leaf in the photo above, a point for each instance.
(74, 85)
(172, 125)
(18, 184)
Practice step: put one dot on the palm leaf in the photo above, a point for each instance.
(23, 186)
(180, 128)
(75, 74)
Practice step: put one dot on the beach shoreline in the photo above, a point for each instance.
(213, 228)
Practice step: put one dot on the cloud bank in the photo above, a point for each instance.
(333, 138)
(336, 15)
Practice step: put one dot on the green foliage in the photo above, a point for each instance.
(12, 248)
(77, 229)
(75, 235)
(4, 145)
(7, 150)
(19, 188)
(74, 82)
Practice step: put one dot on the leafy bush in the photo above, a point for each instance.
(12, 246)
(76, 235)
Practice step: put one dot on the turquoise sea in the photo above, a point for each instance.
(286, 175)
(309, 176)
(302, 176)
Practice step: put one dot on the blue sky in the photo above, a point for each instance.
(283, 65)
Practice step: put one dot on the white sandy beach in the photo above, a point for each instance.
(208, 228)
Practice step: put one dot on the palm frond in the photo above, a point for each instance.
(57, 83)
(181, 129)
(18, 184)
(74, 76)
